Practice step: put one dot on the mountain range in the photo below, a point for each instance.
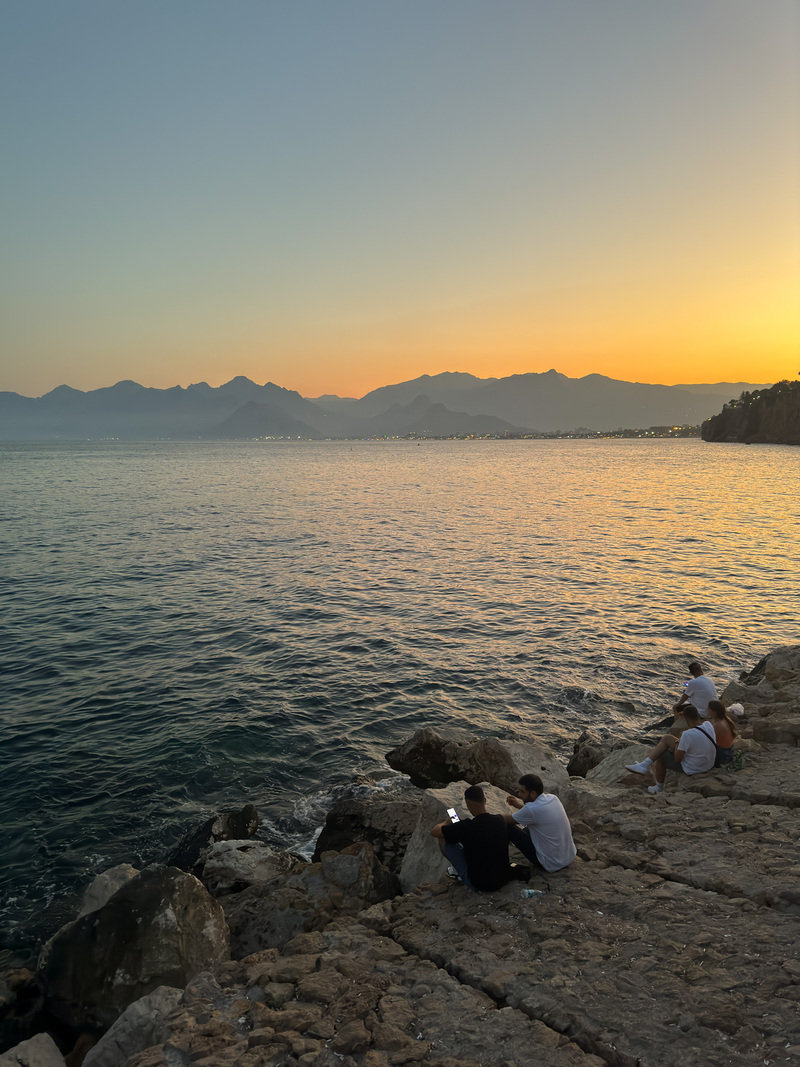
(441, 405)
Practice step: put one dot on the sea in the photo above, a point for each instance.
(188, 627)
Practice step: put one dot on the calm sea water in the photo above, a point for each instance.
(192, 626)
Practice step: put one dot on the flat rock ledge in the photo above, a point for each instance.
(671, 940)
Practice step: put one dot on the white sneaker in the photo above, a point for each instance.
(639, 768)
(453, 873)
(655, 788)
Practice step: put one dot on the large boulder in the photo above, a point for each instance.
(385, 818)
(306, 898)
(142, 1024)
(423, 861)
(774, 679)
(431, 760)
(160, 928)
(38, 1051)
(591, 748)
(104, 886)
(611, 770)
(225, 826)
(782, 670)
(770, 694)
(231, 866)
(427, 758)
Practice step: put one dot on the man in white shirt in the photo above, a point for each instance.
(539, 826)
(694, 752)
(697, 691)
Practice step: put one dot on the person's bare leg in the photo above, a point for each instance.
(653, 757)
(660, 748)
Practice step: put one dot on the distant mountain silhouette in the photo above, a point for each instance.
(439, 405)
(423, 418)
(722, 388)
(259, 420)
(552, 401)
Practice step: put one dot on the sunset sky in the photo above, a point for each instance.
(334, 196)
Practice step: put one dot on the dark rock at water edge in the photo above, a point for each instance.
(225, 826)
(21, 1006)
(160, 928)
(383, 820)
(591, 748)
(308, 897)
(431, 760)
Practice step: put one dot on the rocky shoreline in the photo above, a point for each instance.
(766, 416)
(672, 938)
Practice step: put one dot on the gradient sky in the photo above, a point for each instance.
(334, 196)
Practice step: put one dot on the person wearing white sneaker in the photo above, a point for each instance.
(539, 826)
(694, 752)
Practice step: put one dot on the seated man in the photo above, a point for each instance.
(698, 691)
(478, 847)
(539, 826)
(694, 752)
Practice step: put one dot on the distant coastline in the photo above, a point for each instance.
(764, 416)
(449, 406)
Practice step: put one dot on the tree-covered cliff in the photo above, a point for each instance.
(766, 416)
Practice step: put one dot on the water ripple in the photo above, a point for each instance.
(195, 626)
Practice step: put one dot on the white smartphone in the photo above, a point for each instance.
(453, 815)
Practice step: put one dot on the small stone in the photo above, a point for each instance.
(276, 994)
(262, 1036)
(353, 1037)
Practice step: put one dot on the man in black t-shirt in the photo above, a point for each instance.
(478, 847)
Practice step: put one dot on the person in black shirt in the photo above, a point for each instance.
(478, 847)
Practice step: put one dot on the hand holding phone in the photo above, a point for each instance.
(453, 815)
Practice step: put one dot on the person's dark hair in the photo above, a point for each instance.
(720, 713)
(695, 668)
(533, 783)
(690, 713)
(474, 793)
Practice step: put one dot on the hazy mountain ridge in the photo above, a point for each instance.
(452, 403)
(551, 401)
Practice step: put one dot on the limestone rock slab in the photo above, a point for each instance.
(307, 898)
(432, 760)
(230, 866)
(142, 1024)
(160, 928)
(38, 1051)
(423, 861)
(104, 886)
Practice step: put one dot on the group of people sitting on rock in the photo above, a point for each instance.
(537, 824)
(703, 740)
(477, 848)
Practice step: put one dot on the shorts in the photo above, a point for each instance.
(671, 763)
